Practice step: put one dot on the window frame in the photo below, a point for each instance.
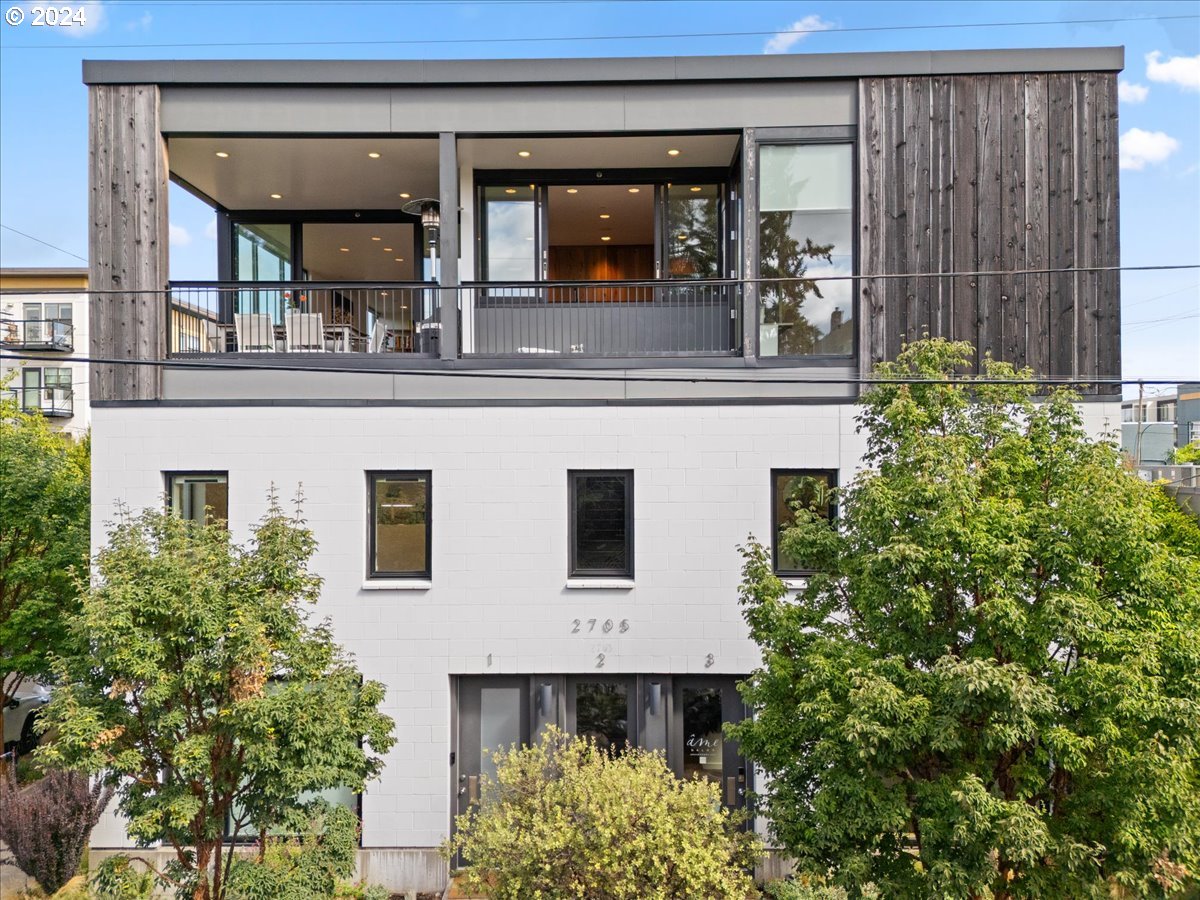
(832, 475)
(170, 475)
(573, 568)
(373, 478)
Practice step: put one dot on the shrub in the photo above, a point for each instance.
(565, 818)
(46, 824)
(118, 879)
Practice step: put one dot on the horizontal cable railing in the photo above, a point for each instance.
(37, 334)
(58, 402)
(601, 319)
(302, 317)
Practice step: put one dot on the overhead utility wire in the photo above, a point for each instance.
(40, 241)
(599, 37)
(587, 374)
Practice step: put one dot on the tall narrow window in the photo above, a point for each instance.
(601, 539)
(693, 223)
(805, 231)
(401, 536)
(792, 490)
(510, 216)
(199, 496)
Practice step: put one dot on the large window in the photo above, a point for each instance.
(401, 536)
(601, 525)
(806, 203)
(793, 490)
(199, 496)
(509, 232)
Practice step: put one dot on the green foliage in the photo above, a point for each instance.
(199, 687)
(118, 878)
(809, 887)
(44, 510)
(992, 688)
(565, 818)
(1187, 454)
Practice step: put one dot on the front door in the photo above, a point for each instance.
(493, 714)
(698, 747)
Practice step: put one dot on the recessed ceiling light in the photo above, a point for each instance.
(277, 196)
(404, 196)
(222, 154)
(572, 190)
(510, 190)
(387, 249)
(605, 237)
(604, 215)
(634, 190)
(376, 238)
(344, 249)
(672, 153)
(373, 154)
(682, 237)
(524, 154)
(399, 259)
(695, 190)
(383, 293)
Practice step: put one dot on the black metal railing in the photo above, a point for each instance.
(303, 317)
(56, 402)
(601, 319)
(37, 334)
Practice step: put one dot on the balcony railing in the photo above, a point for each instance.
(37, 334)
(303, 317)
(54, 402)
(602, 319)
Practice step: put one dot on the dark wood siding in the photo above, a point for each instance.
(127, 245)
(983, 173)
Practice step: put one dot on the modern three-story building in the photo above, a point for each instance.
(542, 341)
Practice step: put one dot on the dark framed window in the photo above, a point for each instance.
(601, 523)
(199, 496)
(401, 532)
(791, 490)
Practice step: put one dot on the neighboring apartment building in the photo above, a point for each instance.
(1152, 428)
(44, 313)
(542, 343)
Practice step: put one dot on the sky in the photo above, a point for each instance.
(43, 103)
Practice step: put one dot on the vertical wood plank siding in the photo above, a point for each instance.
(127, 244)
(992, 173)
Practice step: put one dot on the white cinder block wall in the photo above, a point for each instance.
(499, 563)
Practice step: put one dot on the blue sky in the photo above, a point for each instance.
(43, 104)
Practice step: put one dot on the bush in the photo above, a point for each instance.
(564, 818)
(118, 879)
(46, 824)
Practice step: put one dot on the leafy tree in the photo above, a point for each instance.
(44, 509)
(1188, 453)
(567, 819)
(993, 687)
(199, 688)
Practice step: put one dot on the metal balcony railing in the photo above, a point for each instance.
(303, 317)
(37, 334)
(51, 401)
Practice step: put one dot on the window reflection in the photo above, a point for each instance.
(602, 714)
(510, 217)
(693, 231)
(703, 741)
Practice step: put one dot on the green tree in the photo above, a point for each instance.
(44, 508)
(1187, 454)
(992, 688)
(198, 686)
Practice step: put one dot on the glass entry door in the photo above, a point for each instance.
(698, 747)
(603, 709)
(493, 714)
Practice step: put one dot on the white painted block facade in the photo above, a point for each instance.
(499, 560)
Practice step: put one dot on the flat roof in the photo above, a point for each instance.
(259, 72)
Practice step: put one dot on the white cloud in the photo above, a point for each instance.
(142, 24)
(795, 33)
(1181, 70)
(1129, 92)
(93, 12)
(210, 230)
(179, 236)
(1140, 147)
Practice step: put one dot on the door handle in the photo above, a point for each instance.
(731, 791)
(472, 788)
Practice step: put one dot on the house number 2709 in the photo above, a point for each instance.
(581, 626)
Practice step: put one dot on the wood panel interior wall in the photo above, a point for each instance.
(992, 173)
(127, 239)
(602, 263)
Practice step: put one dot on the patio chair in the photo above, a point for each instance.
(305, 332)
(255, 334)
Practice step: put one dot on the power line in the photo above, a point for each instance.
(40, 241)
(800, 32)
(1190, 287)
(598, 375)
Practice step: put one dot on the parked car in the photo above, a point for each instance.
(20, 716)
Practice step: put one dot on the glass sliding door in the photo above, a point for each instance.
(806, 202)
(509, 233)
(693, 230)
(262, 253)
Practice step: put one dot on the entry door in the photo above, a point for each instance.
(493, 714)
(603, 709)
(698, 746)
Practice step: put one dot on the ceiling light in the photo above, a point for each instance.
(572, 190)
(682, 237)
(373, 154)
(524, 154)
(604, 215)
(344, 249)
(510, 190)
(405, 196)
(376, 238)
(277, 196)
(383, 293)
(634, 190)
(605, 237)
(399, 259)
(672, 153)
(695, 190)
(222, 154)
(387, 249)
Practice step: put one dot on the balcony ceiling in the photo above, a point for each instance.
(624, 152)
